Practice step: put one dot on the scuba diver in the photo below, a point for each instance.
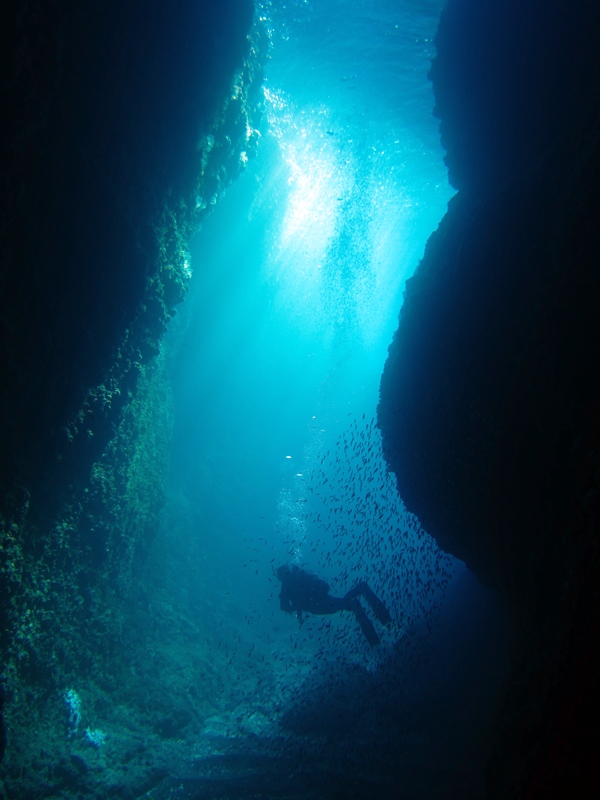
(303, 591)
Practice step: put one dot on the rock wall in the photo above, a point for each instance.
(127, 123)
(112, 109)
(490, 397)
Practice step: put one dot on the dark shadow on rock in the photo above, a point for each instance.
(490, 398)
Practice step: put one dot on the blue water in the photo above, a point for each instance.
(277, 354)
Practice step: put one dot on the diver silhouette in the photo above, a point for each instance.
(303, 591)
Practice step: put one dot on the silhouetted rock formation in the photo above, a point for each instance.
(126, 122)
(107, 106)
(491, 393)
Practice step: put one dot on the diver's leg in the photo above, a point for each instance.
(380, 611)
(363, 589)
(327, 604)
(365, 623)
(355, 591)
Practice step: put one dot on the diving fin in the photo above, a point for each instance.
(365, 623)
(380, 611)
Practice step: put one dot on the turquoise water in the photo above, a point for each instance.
(277, 354)
(298, 280)
(298, 276)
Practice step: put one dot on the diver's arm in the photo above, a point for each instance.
(285, 602)
(288, 603)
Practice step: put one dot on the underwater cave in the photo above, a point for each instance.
(298, 313)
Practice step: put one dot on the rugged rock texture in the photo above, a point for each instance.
(490, 398)
(111, 113)
(127, 122)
